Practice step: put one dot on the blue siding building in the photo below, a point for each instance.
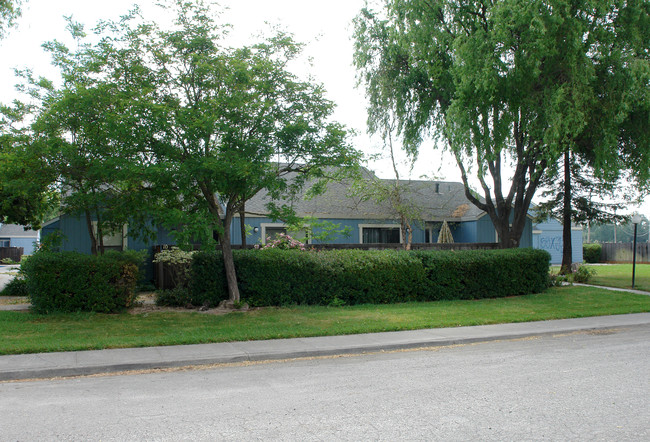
(548, 236)
(364, 220)
(13, 235)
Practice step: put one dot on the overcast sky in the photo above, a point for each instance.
(325, 27)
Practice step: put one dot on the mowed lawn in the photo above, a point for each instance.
(22, 332)
(620, 275)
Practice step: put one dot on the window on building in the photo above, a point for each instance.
(5, 242)
(113, 240)
(273, 232)
(383, 235)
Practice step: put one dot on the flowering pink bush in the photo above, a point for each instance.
(282, 241)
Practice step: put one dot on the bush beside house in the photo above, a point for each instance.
(285, 277)
(591, 252)
(74, 282)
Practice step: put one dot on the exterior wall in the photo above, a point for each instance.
(26, 243)
(353, 238)
(17, 236)
(487, 233)
(485, 230)
(76, 238)
(481, 230)
(466, 232)
(527, 235)
(548, 236)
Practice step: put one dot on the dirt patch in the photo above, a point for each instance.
(146, 304)
(13, 300)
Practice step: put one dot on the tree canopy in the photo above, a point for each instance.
(510, 82)
(26, 194)
(9, 11)
(173, 124)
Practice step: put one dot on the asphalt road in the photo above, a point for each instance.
(578, 386)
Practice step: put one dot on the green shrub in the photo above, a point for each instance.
(208, 284)
(273, 277)
(15, 287)
(285, 277)
(176, 297)
(591, 252)
(476, 274)
(71, 281)
(583, 274)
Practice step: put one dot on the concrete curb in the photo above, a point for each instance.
(80, 363)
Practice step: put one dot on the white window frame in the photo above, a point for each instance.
(380, 226)
(264, 226)
(125, 231)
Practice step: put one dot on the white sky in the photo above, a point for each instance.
(324, 26)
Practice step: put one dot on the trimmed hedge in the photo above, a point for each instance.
(477, 274)
(74, 282)
(274, 277)
(591, 252)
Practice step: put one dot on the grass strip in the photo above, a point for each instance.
(22, 332)
(620, 275)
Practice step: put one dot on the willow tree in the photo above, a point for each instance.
(498, 82)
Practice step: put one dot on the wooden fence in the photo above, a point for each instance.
(622, 252)
(13, 253)
(163, 280)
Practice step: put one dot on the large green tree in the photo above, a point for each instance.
(501, 82)
(83, 133)
(234, 122)
(607, 44)
(216, 125)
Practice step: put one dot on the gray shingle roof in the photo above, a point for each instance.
(435, 201)
(14, 230)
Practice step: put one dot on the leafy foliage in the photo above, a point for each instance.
(275, 277)
(583, 274)
(283, 242)
(511, 81)
(176, 297)
(10, 10)
(593, 199)
(217, 125)
(178, 263)
(591, 252)
(15, 287)
(74, 282)
(26, 195)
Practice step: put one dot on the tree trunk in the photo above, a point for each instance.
(407, 233)
(242, 225)
(91, 234)
(229, 261)
(567, 252)
(509, 237)
(100, 238)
